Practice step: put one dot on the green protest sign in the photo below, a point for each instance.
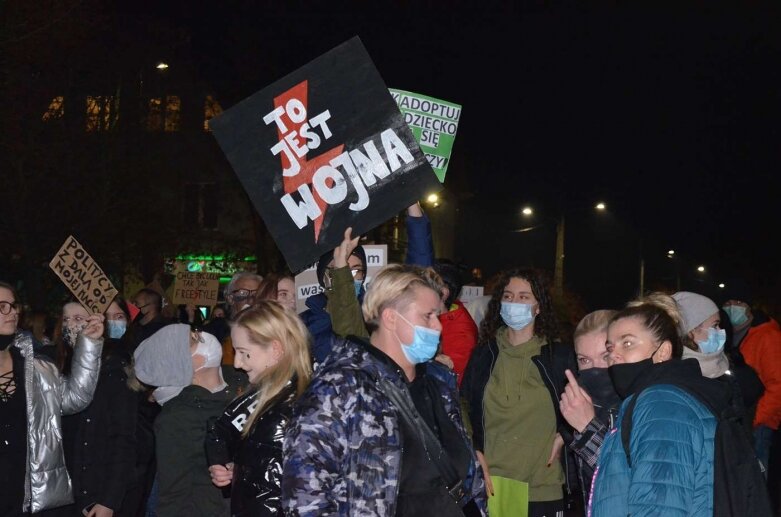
(433, 122)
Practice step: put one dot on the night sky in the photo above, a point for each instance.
(669, 115)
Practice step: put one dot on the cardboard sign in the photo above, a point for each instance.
(82, 275)
(470, 292)
(434, 123)
(323, 149)
(307, 284)
(194, 287)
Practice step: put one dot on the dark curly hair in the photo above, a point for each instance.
(545, 325)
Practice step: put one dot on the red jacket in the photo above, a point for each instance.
(459, 337)
(762, 350)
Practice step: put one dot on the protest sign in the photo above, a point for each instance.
(195, 287)
(307, 284)
(323, 149)
(470, 292)
(433, 122)
(83, 277)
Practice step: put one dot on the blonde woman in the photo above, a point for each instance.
(244, 446)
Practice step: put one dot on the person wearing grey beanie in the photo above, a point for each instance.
(704, 338)
(704, 341)
(184, 365)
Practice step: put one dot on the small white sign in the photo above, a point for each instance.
(470, 292)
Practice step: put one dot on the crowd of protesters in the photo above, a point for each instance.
(388, 398)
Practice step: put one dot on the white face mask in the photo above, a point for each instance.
(210, 349)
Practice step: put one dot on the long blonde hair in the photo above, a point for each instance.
(268, 321)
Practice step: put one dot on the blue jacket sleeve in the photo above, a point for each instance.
(420, 246)
(669, 457)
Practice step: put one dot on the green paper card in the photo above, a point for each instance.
(510, 499)
(433, 122)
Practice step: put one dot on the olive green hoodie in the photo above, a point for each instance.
(520, 421)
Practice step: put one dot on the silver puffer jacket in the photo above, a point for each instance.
(50, 395)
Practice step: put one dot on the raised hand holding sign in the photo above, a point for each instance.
(323, 149)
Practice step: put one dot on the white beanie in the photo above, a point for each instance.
(695, 308)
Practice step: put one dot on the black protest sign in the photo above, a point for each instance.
(323, 149)
(82, 275)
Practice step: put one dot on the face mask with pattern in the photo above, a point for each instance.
(71, 332)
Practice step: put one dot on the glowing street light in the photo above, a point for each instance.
(162, 66)
(527, 211)
(600, 206)
(670, 252)
(433, 198)
(701, 269)
(722, 286)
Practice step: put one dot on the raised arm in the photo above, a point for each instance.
(77, 389)
(343, 306)
(420, 245)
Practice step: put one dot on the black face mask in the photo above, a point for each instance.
(624, 375)
(597, 382)
(5, 341)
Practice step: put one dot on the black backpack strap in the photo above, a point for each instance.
(403, 402)
(626, 427)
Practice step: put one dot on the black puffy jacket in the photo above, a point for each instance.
(257, 457)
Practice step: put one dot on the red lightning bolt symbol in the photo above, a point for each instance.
(308, 167)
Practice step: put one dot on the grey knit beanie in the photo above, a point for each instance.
(695, 308)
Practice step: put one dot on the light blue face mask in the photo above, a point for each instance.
(358, 285)
(737, 314)
(715, 341)
(517, 316)
(425, 343)
(116, 329)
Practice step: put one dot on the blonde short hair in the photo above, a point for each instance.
(268, 321)
(394, 286)
(596, 321)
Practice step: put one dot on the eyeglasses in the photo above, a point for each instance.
(5, 307)
(243, 294)
(74, 319)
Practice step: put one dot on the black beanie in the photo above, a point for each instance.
(326, 259)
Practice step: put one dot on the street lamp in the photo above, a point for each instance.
(162, 66)
(432, 198)
(701, 269)
(671, 256)
(558, 269)
(722, 286)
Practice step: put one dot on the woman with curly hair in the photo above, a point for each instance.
(512, 385)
